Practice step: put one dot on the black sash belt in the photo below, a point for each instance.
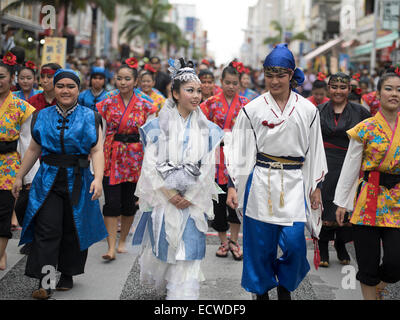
(288, 163)
(68, 161)
(8, 146)
(385, 179)
(127, 138)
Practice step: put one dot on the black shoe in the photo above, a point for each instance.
(263, 296)
(283, 293)
(65, 283)
(26, 249)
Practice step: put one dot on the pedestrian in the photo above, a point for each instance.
(246, 85)
(146, 84)
(47, 97)
(337, 116)
(176, 188)
(26, 80)
(124, 113)
(207, 84)
(275, 159)
(96, 92)
(319, 90)
(373, 199)
(162, 79)
(222, 109)
(7, 39)
(15, 118)
(309, 79)
(63, 217)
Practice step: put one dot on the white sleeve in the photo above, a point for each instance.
(23, 144)
(348, 181)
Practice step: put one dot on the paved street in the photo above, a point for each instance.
(119, 279)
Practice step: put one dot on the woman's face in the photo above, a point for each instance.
(26, 79)
(66, 91)
(230, 85)
(319, 95)
(5, 81)
(146, 83)
(207, 85)
(46, 80)
(389, 95)
(98, 82)
(338, 91)
(125, 81)
(189, 96)
(245, 81)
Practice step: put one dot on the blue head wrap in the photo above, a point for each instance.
(66, 73)
(282, 57)
(98, 70)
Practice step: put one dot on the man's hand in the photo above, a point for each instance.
(315, 199)
(232, 199)
(340, 212)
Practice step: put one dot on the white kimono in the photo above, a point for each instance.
(172, 241)
(295, 132)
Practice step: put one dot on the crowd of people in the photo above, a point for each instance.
(278, 149)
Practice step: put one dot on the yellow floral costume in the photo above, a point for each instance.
(13, 113)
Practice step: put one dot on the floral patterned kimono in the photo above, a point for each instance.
(217, 110)
(123, 161)
(13, 114)
(375, 147)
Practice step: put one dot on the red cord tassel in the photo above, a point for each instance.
(317, 257)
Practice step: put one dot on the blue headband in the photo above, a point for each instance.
(66, 73)
(98, 70)
(282, 57)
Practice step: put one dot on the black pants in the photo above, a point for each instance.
(223, 213)
(119, 199)
(7, 201)
(55, 240)
(367, 242)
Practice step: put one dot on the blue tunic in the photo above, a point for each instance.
(20, 94)
(79, 137)
(87, 99)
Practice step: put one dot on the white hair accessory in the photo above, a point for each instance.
(181, 71)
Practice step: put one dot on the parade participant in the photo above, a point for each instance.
(207, 84)
(176, 188)
(162, 79)
(47, 97)
(146, 84)
(26, 80)
(124, 113)
(373, 200)
(63, 217)
(319, 90)
(337, 116)
(15, 118)
(222, 109)
(371, 102)
(245, 84)
(96, 92)
(275, 159)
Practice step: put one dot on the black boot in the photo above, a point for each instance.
(26, 249)
(283, 293)
(65, 283)
(263, 296)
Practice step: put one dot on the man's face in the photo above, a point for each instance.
(278, 82)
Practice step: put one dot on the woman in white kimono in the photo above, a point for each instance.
(275, 159)
(176, 188)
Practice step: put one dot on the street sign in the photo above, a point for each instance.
(54, 50)
(390, 14)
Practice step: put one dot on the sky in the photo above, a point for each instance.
(224, 21)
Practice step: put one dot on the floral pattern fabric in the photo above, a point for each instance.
(123, 161)
(13, 113)
(372, 101)
(217, 110)
(381, 153)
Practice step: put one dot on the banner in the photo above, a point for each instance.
(54, 51)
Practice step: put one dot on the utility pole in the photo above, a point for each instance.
(373, 51)
(283, 21)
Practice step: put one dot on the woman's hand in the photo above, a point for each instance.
(17, 187)
(232, 199)
(96, 188)
(180, 202)
(340, 212)
(315, 199)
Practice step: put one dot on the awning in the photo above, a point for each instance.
(320, 50)
(382, 42)
(22, 23)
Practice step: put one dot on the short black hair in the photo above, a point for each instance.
(388, 73)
